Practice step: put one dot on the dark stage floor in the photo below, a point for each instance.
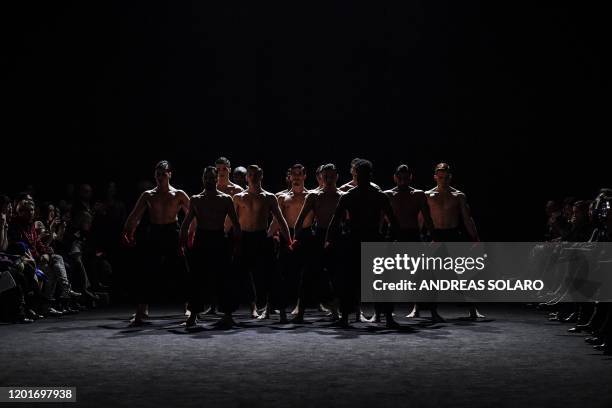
(512, 358)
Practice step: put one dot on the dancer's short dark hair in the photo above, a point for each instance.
(163, 165)
(403, 168)
(298, 166)
(255, 168)
(223, 160)
(364, 166)
(328, 166)
(210, 169)
(443, 167)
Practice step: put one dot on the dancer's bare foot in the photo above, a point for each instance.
(142, 313)
(210, 311)
(334, 314)
(296, 309)
(360, 318)
(475, 314)
(137, 320)
(264, 315)
(323, 309)
(254, 314)
(192, 320)
(415, 313)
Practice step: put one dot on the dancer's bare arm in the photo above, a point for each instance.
(468, 221)
(135, 216)
(275, 209)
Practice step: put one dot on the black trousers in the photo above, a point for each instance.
(349, 284)
(290, 264)
(161, 272)
(408, 235)
(211, 277)
(449, 235)
(405, 235)
(314, 285)
(256, 258)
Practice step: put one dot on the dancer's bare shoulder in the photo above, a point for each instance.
(392, 192)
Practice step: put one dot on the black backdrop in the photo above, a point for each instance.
(515, 95)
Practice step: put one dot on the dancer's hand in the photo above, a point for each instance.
(293, 245)
(127, 239)
(182, 244)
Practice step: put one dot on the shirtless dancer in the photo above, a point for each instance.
(409, 206)
(225, 185)
(344, 188)
(160, 241)
(254, 206)
(321, 204)
(239, 176)
(210, 269)
(364, 205)
(347, 186)
(449, 209)
(292, 260)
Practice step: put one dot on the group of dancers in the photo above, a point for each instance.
(296, 247)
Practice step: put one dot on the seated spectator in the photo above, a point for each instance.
(5, 216)
(22, 229)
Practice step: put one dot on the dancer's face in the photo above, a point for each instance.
(210, 180)
(403, 179)
(320, 180)
(162, 175)
(222, 171)
(297, 177)
(442, 177)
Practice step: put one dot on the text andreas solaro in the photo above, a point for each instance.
(485, 271)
